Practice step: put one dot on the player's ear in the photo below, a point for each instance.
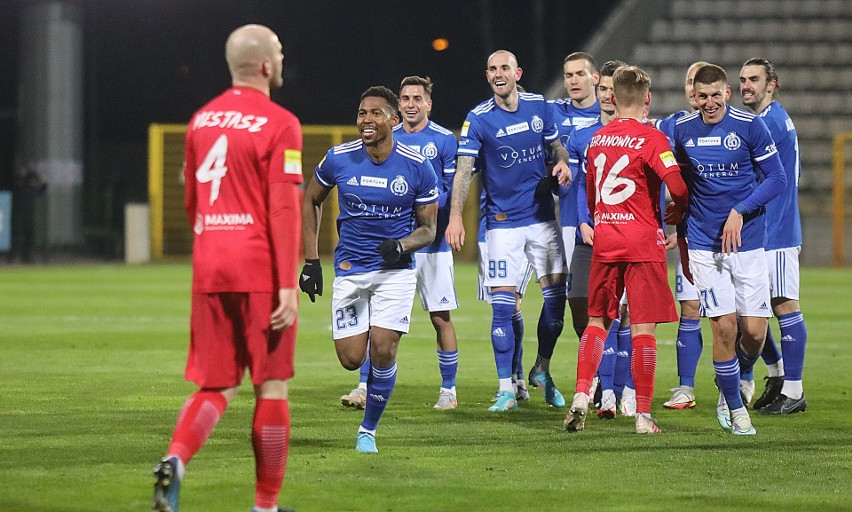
(518, 74)
(727, 93)
(648, 100)
(597, 78)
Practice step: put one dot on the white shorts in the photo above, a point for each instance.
(783, 266)
(484, 291)
(541, 244)
(569, 239)
(731, 283)
(435, 283)
(382, 298)
(684, 290)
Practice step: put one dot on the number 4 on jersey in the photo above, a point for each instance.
(213, 167)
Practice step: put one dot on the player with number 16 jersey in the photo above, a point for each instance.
(627, 163)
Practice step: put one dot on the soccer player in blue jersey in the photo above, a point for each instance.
(388, 199)
(581, 108)
(689, 344)
(783, 393)
(723, 150)
(434, 263)
(484, 293)
(510, 134)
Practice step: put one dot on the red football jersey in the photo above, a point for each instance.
(626, 162)
(236, 146)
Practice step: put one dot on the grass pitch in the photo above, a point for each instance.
(91, 377)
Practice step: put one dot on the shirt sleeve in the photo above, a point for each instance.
(285, 162)
(551, 130)
(765, 154)
(428, 189)
(324, 171)
(189, 198)
(471, 141)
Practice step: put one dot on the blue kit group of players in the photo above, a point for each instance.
(402, 188)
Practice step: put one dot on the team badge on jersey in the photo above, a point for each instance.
(430, 150)
(399, 186)
(732, 141)
(537, 124)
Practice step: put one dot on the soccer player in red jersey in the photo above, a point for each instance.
(627, 161)
(243, 168)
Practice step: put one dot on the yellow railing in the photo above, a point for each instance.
(838, 196)
(171, 235)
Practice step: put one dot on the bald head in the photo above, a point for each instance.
(504, 53)
(254, 57)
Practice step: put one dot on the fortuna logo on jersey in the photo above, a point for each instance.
(399, 186)
(222, 222)
(732, 141)
(517, 128)
(509, 156)
(537, 124)
(709, 141)
(430, 151)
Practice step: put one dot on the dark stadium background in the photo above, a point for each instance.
(158, 60)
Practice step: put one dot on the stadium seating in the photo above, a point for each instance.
(810, 42)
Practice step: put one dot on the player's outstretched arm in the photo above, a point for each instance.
(461, 187)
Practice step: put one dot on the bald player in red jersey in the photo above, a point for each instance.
(243, 168)
(628, 161)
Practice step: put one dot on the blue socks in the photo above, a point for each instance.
(364, 371)
(379, 389)
(623, 377)
(689, 346)
(552, 319)
(770, 353)
(746, 362)
(448, 363)
(728, 380)
(606, 370)
(502, 334)
(518, 356)
(794, 337)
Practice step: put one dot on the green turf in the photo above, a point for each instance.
(91, 362)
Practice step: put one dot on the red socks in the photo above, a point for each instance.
(643, 366)
(199, 415)
(589, 357)
(270, 437)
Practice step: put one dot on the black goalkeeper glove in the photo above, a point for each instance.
(391, 251)
(311, 279)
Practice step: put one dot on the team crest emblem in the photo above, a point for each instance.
(537, 124)
(399, 186)
(732, 141)
(430, 150)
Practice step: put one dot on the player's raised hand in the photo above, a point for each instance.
(732, 233)
(310, 280)
(455, 232)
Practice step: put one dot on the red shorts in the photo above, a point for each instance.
(230, 332)
(649, 296)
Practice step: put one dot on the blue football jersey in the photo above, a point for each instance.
(512, 147)
(785, 226)
(577, 146)
(666, 125)
(568, 119)
(376, 201)
(439, 145)
(722, 164)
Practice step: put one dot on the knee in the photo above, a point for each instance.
(351, 362)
